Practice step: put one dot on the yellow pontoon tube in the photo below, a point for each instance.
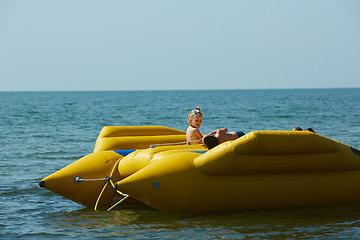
(263, 169)
(260, 170)
(88, 181)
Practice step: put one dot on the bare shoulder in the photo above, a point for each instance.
(193, 134)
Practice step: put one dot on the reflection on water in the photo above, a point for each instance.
(331, 222)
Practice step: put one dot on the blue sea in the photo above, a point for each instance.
(41, 132)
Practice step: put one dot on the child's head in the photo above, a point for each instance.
(195, 117)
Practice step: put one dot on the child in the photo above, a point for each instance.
(193, 135)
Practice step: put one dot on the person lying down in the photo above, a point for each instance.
(216, 137)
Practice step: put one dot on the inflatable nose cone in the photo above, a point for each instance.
(68, 182)
(42, 184)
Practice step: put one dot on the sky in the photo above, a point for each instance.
(81, 45)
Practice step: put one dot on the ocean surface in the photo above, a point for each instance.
(41, 132)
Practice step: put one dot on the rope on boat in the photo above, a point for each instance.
(120, 201)
(109, 180)
(171, 144)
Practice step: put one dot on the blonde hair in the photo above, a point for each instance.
(194, 112)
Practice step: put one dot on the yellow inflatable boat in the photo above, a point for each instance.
(263, 169)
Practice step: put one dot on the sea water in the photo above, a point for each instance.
(41, 132)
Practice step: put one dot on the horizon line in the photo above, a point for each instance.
(159, 90)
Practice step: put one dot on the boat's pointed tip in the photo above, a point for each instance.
(42, 183)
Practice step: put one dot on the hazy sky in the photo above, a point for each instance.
(167, 44)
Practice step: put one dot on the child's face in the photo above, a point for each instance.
(196, 121)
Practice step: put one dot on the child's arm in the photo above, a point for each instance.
(193, 135)
(198, 135)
